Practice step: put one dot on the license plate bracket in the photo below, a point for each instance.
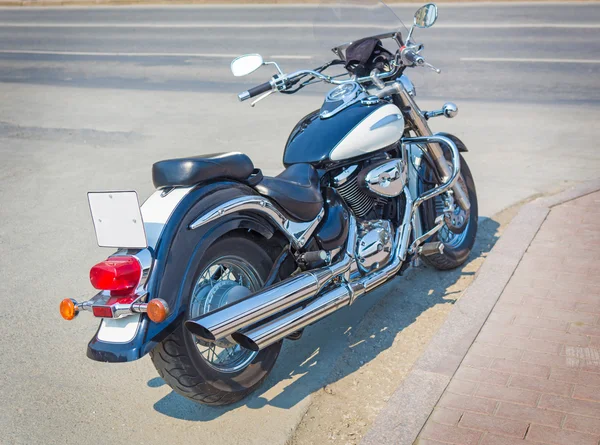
(117, 219)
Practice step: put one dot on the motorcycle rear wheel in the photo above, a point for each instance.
(228, 374)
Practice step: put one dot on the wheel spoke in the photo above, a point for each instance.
(208, 294)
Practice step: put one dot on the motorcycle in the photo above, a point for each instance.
(222, 263)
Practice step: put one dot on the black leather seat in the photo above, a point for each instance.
(185, 172)
(296, 190)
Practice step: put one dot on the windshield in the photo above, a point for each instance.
(339, 22)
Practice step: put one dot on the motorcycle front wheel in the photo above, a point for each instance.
(222, 373)
(457, 244)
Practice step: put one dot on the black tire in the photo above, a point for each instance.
(178, 360)
(455, 256)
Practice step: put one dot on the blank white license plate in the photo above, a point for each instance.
(117, 219)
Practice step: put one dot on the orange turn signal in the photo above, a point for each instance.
(157, 310)
(68, 311)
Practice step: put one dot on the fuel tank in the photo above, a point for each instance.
(323, 138)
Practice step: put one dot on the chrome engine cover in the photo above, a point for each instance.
(385, 178)
(375, 243)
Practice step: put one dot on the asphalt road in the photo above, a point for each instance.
(90, 98)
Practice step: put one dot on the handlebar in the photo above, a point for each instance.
(408, 55)
(255, 91)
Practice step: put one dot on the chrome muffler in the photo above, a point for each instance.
(265, 335)
(235, 316)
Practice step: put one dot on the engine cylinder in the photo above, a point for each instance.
(346, 183)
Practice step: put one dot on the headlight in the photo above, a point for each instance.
(408, 85)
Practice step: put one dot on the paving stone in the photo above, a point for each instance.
(516, 395)
(446, 416)
(582, 424)
(571, 406)
(530, 414)
(451, 434)
(467, 403)
(494, 425)
(541, 385)
(554, 436)
(587, 393)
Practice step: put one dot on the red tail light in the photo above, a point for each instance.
(119, 274)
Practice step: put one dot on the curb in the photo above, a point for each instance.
(402, 419)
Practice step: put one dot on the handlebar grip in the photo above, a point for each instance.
(413, 58)
(252, 92)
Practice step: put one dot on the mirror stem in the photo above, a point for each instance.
(276, 66)
(408, 37)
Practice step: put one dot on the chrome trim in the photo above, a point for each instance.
(439, 223)
(386, 121)
(119, 310)
(370, 101)
(298, 233)
(415, 116)
(387, 179)
(408, 85)
(455, 171)
(345, 294)
(346, 95)
(231, 318)
(449, 110)
(343, 177)
(348, 99)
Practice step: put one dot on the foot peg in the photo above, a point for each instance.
(295, 335)
(428, 249)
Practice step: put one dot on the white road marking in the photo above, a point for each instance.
(526, 60)
(299, 25)
(392, 5)
(128, 54)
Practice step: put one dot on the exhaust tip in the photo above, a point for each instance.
(244, 341)
(199, 331)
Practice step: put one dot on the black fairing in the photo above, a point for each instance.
(312, 139)
(334, 229)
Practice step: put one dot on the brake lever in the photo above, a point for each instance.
(259, 98)
(429, 65)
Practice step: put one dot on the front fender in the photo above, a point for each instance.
(179, 250)
(459, 144)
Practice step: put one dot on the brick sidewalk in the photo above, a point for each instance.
(533, 373)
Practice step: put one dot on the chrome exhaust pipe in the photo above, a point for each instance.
(235, 316)
(324, 305)
(266, 334)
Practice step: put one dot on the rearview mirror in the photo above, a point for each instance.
(246, 64)
(426, 16)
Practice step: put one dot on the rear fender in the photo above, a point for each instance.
(177, 251)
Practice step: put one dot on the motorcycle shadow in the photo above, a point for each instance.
(349, 339)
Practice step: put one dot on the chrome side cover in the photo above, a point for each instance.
(386, 179)
(375, 244)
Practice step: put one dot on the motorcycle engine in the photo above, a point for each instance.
(368, 189)
(375, 243)
(367, 186)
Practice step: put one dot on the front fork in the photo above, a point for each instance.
(416, 118)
